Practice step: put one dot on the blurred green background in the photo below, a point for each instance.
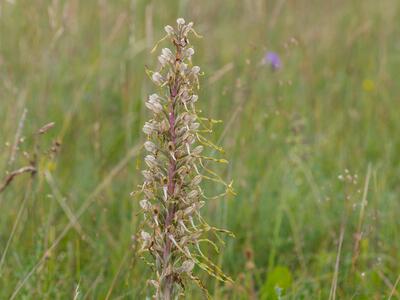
(314, 148)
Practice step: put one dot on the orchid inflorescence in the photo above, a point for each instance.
(173, 229)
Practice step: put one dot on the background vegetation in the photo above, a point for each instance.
(314, 148)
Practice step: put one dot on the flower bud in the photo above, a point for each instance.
(151, 161)
(194, 98)
(188, 118)
(148, 193)
(197, 150)
(189, 210)
(154, 107)
(194, 126)
(148, 175)
(157, 78)
(145, 204)
(183, 67)
(187, 28)
(163, 61)
(190, 139)
(167, 53)
(193, 194)
(196, 180)
(180, 21)
(169, 30)
(150, 146)
(149, 128)
(189, 52)
(146, 237)
(154, 97)
(196, 70)
(164, 127)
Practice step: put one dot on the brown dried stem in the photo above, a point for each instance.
(7, 181)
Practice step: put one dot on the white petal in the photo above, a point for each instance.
(180, 21)
(169, 29)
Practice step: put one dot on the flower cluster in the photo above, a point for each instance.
(173, 227)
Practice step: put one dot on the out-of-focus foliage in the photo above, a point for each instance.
(300, 140)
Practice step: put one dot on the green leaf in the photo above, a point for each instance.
(278, 282)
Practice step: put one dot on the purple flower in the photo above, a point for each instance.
(273, 59)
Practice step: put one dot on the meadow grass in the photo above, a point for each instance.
(295, 140)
